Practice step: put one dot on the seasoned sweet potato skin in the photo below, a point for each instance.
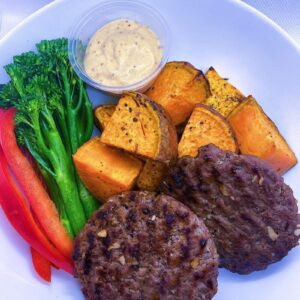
(102, 115)
(258, 135)
(106, 171)
(142, 127)
(153, 171)
(224, 96)
(168, 149)
(152, 175)
(178, 88)
(223, 105)
(206, 126)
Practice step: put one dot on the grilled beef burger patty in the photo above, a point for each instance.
(140, 245)
(250, 212)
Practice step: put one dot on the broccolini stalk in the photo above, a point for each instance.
(54, 117)
(45, 144)
(78, 108)
(57, 198)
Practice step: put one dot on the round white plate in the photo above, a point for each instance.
(244, 46)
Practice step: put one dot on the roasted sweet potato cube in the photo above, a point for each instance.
(178, 88)
(102, 115)
(258, 135)
(104, 170)
(141, 126)
(225, 97)
(152, 175)
(206, 126)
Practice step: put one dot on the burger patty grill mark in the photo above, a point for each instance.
(140, 245)
(250, 212)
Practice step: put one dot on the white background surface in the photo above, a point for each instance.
(285, 13)
(243, 47)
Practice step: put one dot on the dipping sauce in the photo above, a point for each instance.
(122, 52)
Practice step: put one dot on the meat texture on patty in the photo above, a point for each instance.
(250, 212)
(140, 245)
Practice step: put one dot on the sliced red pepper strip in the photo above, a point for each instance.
(18, 213)
(36, 194)
(41, 265)
(34, 166)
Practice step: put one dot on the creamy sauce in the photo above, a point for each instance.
(122, 52)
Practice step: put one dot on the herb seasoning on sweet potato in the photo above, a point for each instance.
(142, 127)
(225, 97)
(153, 171)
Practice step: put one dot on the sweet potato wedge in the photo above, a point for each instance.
(104, 112)
(178, 88)
(258, 135)
(102, 115)
(206, 126)
(104, 170)
(141, 126)
(225, 97)
(153, 171)
(151, 176)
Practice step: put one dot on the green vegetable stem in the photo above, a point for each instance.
(54, 118)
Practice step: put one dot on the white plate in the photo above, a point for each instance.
(243, 45)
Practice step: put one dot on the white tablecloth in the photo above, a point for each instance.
(286, 13)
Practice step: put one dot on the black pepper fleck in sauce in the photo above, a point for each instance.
(121, 47)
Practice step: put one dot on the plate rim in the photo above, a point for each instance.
(240, 3)
(269, 21)
(247, 7)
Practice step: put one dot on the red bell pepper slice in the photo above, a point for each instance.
(41, 265)
(18, 213)
(36, 194)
